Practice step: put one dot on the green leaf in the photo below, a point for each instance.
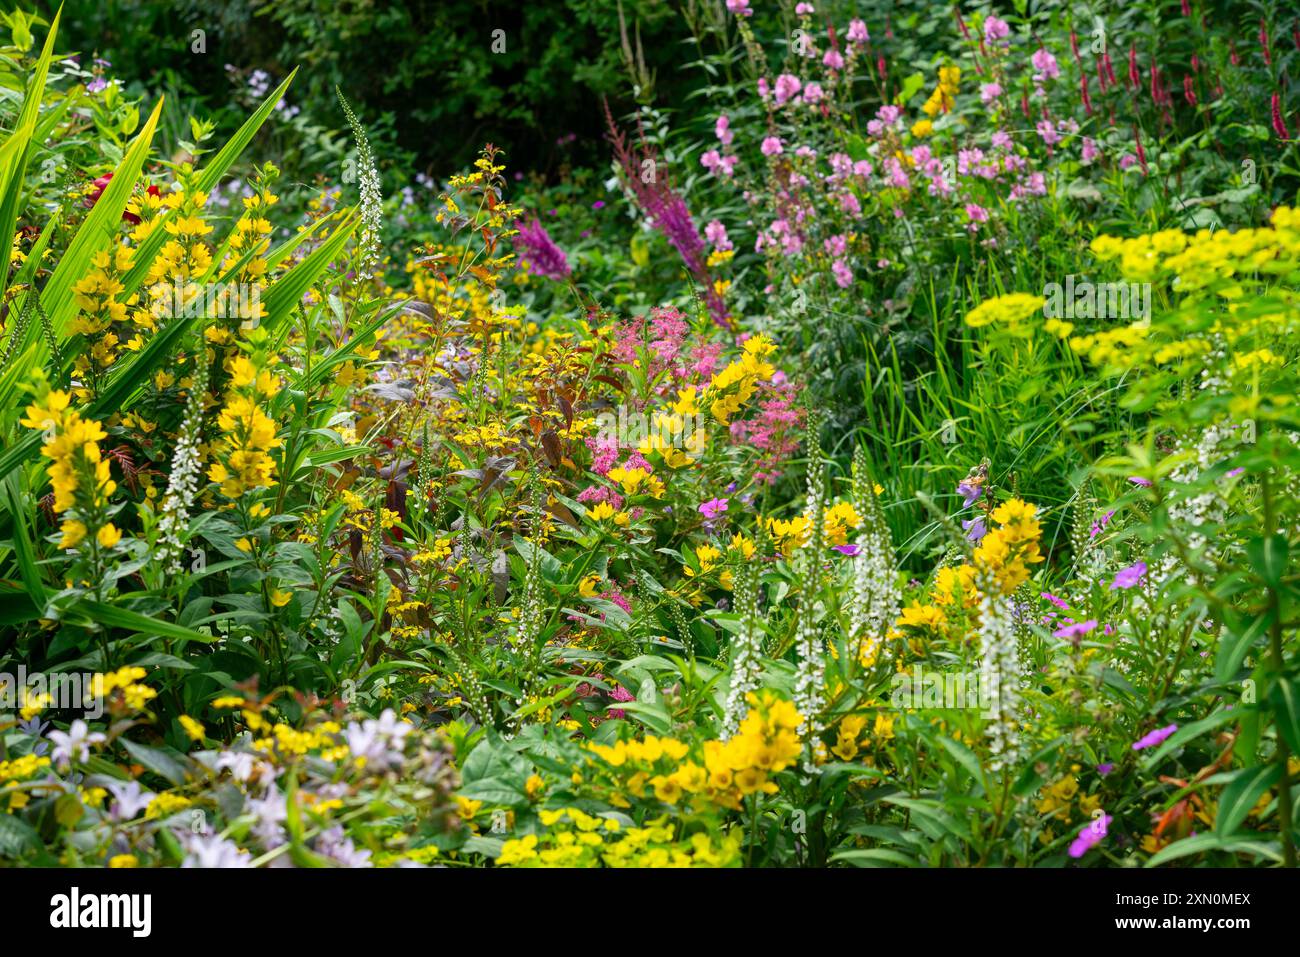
(1284, 699)
(163, 763)
(494, 774)
(1268, 556)
(876, 857)
(1030, 779)
(911, 86)
(1239, 635)
(1187, 846)
(114, 617)
(281, 298)
(17, 836)
(1242, 793)
(24, 549)
(964, 756)
(13, 162)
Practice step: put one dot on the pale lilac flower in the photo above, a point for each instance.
(1090, 151)
(336, 845)
(271, 813)
(975, 528)
(843, 275)
(129, 799)
(1138, 480)
(380, 741)
(74, 744)
(203, 850)
(812, 93)
(970, 493)
(857, 32)
(240, 764)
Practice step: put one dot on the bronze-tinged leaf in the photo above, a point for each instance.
(562, 512)
(551, 446)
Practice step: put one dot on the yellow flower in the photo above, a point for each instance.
(1009, 310)
(108, 535)
(74, 532)
(922, 616)
(518, 851)
(534, 786)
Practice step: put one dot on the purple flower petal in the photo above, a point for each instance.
(1130, 576)
(1090, 836)
(1077, 630)
(1154, 738)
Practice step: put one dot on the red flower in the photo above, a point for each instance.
(1279, 124)
(97, 191)
(1142, 154)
